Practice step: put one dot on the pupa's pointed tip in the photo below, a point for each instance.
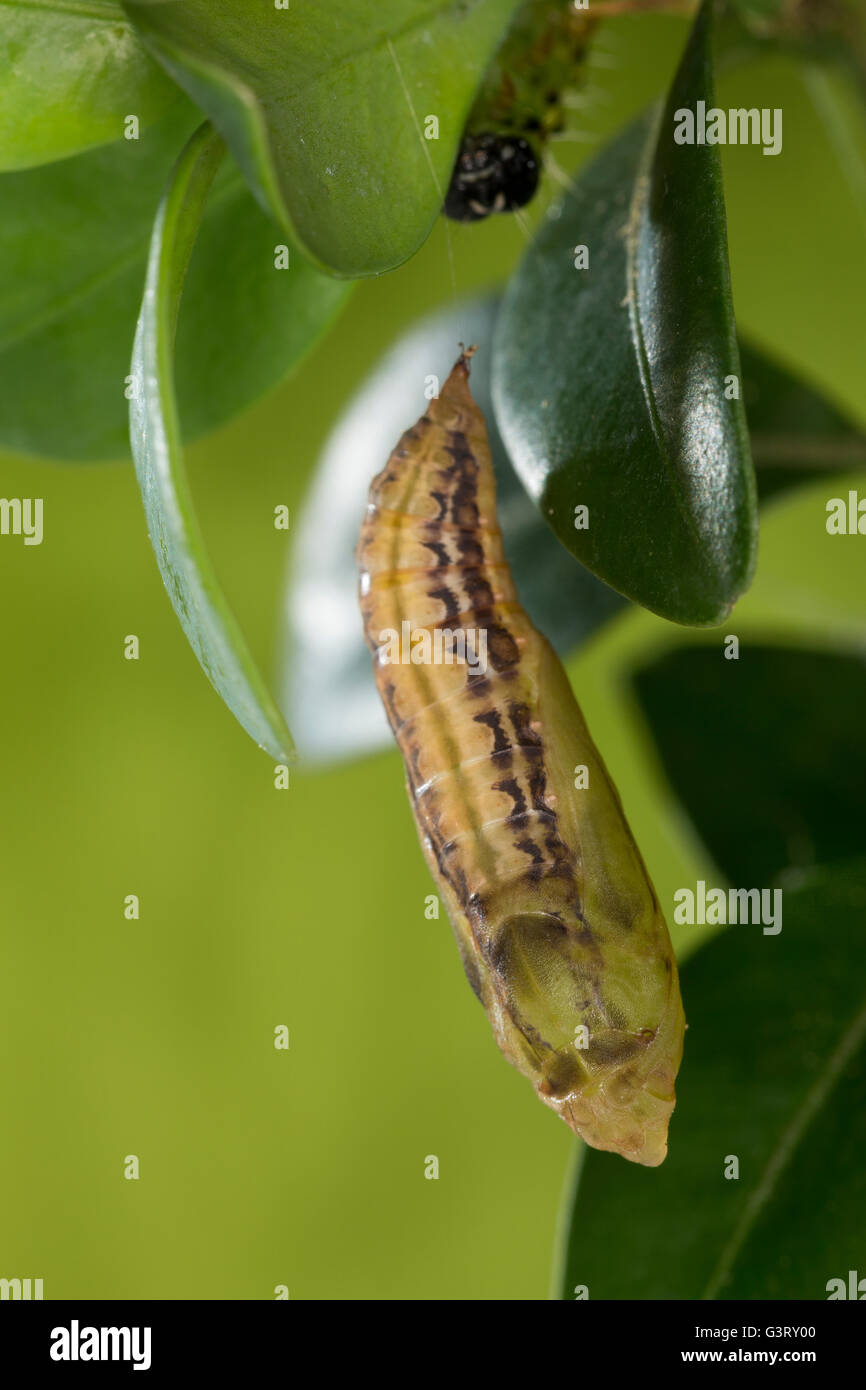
(456, 387)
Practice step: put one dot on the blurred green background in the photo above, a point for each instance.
(306, 907)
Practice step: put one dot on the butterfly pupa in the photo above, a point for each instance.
(560, 932)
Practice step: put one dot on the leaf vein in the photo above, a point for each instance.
(784, 1151)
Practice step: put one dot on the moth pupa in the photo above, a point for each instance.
(560, 932)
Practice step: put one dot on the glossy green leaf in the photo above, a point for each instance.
(154, 422)
(331, 698)
(324, 107)
(73, 251)
(774, 1076)
(611, 383)
(71, 72)
(780, 735)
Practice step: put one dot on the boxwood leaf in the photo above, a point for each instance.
(324, 108)
(797, 435)
(73, 251)
(762, 1193)
(612, 383)
(70, 75)
(186, 571)
(331, 698)
(788, 750)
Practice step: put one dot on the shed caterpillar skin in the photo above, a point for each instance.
(557, 922)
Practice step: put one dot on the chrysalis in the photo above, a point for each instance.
(560, 932)
(518, 108)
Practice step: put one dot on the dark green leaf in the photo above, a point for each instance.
(767, 753)
(796, 434)
(186, 570)
(330, 695)
(71, 72)
(610, 382)
(324, 108)
(73, 250)
(774, 1074)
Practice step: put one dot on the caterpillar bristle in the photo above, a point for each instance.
(521, 105)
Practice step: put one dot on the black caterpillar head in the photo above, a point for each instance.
(493, 173)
